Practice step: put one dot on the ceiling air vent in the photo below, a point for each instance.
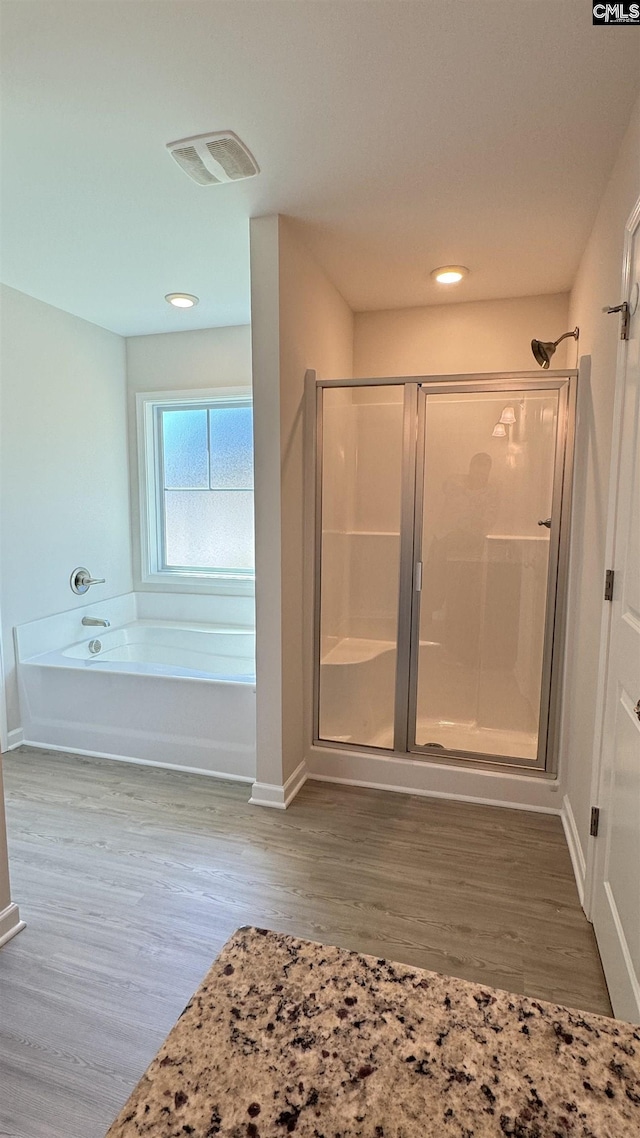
(213, 158)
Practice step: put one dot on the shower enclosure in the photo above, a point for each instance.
(441, 529)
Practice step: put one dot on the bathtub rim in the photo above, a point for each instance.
(38, 662)
(58, 658)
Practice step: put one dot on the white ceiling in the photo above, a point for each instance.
(403, 134)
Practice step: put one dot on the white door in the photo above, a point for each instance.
(616, 890)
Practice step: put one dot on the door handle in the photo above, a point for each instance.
(418, 577)
(546, 522)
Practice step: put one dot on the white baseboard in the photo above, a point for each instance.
(15, 739)
(450, 796)
(137, 762)
(279, 797)
(10, 923)
(575, 847)
(404, 774)
(267, 794)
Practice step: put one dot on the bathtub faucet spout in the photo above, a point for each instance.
(95, 622)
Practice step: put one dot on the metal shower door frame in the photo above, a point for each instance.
(548, 725)
(412, 478)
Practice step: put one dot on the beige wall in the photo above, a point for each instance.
(447, 339)
(597, 284)
(299, 321)
(316, 331)
(64, 496)
(179, 361)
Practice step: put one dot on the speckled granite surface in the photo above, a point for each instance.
(287, 1036)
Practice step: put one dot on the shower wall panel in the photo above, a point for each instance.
(486, 559)
(360, 558)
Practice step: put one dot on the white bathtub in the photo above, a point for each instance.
(165, 649)
(179, 695)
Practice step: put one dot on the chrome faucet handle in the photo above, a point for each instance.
(81, 579)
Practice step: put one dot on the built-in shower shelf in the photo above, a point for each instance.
(517, 537)
(362, 532)
(355, 650)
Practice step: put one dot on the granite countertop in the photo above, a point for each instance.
(286, 1036)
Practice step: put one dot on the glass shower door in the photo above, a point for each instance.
(486, 542)
(360, 483)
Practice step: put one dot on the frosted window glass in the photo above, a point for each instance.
(184, 435)
(231, 441)
(209, 528)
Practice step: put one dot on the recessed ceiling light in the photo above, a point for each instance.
(449, 274)
(181, 299)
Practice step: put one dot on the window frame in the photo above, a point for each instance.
(153, 570)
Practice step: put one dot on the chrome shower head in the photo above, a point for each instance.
(544, 349)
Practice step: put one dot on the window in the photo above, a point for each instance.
(198, 492)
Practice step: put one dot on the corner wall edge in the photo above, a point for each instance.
(279, 797)
(10, 923)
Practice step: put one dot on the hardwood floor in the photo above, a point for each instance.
(132, 878)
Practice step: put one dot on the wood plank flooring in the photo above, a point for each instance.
(132, 878)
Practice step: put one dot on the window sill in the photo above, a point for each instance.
(197, 583)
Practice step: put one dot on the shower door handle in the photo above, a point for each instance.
(546, 522)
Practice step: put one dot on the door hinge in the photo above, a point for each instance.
(595, 821)
(418, 577)
(608, 584)
(623, 309)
